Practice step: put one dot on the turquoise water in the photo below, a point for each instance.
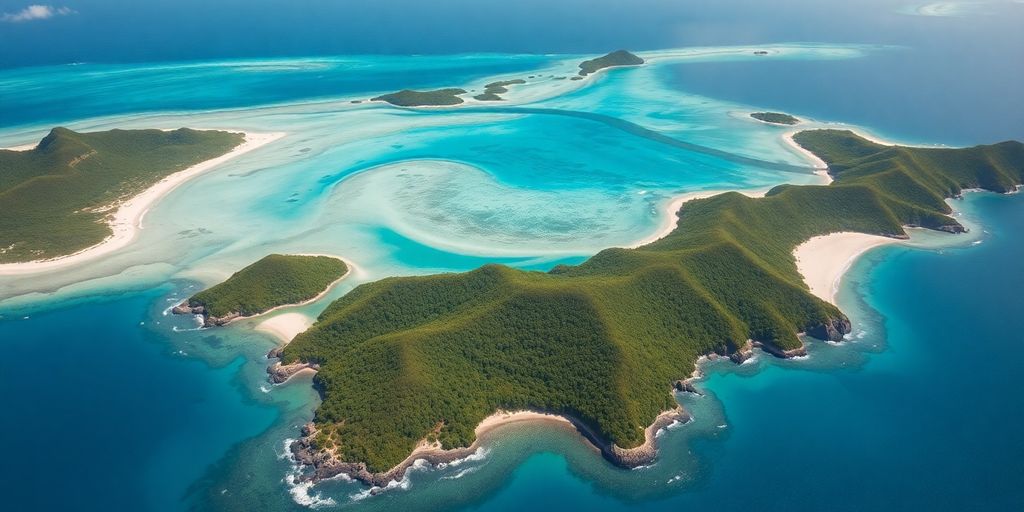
(115, 405)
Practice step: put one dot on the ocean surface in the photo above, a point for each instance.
(114, 404)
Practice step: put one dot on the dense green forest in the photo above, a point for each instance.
(775, 118)
(51, 196)
(494, 89)
(411, 98)
(407, 357)
(616, 58)
(274, 280)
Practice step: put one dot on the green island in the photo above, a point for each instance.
(411, 98)
(55, 199)
(775, 118)
(493, 89)
(616, 58)
(275, 280)
(426, 358)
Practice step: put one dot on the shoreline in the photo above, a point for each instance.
(326, 466)
(820, 166)
(349, 269)
(670, 217)
(824, 260)
(287, 326)
(127, 220)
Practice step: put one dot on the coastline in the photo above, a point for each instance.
(820, 167)
(670, 217)
(290, 324)
(325, 465)
(823, 260)
(127, 220)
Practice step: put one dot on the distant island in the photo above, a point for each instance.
(408, 367)
(56, 199)
(411, 98)
(775, 118)
(493, 89)
(273, 281)
(616, 58)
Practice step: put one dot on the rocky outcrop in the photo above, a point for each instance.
(833, 329)
(326, 464)
(685, 386)
(280, 373)
(744, 353)
(187, 308)
(780, 353)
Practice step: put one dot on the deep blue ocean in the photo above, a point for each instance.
(105, 410)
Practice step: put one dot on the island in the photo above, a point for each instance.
(613, 59)
(493, 89)
(411, 98)
(58, 198)
(775, 118)
(410, 367)
(274, 281)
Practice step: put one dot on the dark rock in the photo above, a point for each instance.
(687, 387)
(832, 329)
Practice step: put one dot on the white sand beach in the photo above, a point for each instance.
(127, 220)
(670, 220)
(821, 168)
(23, 147)
(285, 326)
(823, 260)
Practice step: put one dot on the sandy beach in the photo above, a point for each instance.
(820, 167)
(285, 326)
(127, 220)
(23, 147)
(823, 260)
(288, 325)
(670, 220)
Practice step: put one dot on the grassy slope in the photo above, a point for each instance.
(274, 280)
(47, 194)
(603, 341)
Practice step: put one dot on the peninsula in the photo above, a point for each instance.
(408, 367)
(273, 281)
(57, 198)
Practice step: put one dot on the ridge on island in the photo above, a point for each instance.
(55, 199)
(411, 98)
(775, 118)
(275, 280)
(616, 58)
(413, 362)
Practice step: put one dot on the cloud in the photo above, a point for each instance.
(36, 12)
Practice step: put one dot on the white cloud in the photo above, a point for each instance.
(36, 12)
